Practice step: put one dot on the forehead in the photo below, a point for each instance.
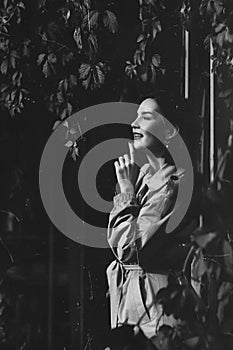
(149, 105)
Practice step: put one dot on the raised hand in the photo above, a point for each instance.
(127, 170)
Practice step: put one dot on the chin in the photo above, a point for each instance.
(139, 145)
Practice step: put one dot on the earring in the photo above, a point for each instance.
(166, 142)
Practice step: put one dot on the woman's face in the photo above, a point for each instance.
(149, 120)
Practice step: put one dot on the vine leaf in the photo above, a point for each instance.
(91, 19)
(130, 69)
(78, 38)
(84, 70)
(40, 58)
(93, 45)
(110, 21)
(4, 67)
(92, 75)
(47, 63)
(156, 60)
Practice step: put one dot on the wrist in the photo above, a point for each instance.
(126, 186)
(127, 189)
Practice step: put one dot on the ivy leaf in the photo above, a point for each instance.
(63, 114)
(4, 67)
(66, 111)
(93, 45)
(60, 97)
(140, 38)
(87, 82)
(14, 100)
(65, 124)
(69, 108)
(78, 38)
(110, 21)
(156, 27)
(199, 267)
(91, 19)
(66, 13)
(16, 78)
(156, 60)
(40, 58)
(48, 63)
(21, 5)
(153, 73)
(52, 58)
(219, 27)
(93, 76)
(46, 69)
(56, 124)
(221, 38)
(99, 75)
(139, 57)
(130, 69)
(84, 70)
(13, 56)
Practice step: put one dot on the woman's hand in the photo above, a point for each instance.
(127, 170)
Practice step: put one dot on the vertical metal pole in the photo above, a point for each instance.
(203, 108)
(50, 292)
(82, 267)
(186, 63)
(212, 124)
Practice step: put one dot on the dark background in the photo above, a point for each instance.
(54, 290)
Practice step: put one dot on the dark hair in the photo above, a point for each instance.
(178, 112)
(170, 105)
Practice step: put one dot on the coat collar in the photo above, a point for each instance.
(155, 180)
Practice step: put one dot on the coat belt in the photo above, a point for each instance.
(132, 267)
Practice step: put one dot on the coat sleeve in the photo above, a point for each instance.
(133, 222)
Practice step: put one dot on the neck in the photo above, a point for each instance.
(155, 162)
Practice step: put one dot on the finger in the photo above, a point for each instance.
(131, 152)
(117, 168)
(126, 158)
(121, 162)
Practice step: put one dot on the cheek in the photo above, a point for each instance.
(151, 141)
(156, 130)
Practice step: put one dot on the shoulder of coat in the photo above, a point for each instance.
(177, 175)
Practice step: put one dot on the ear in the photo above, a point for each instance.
(171, 133)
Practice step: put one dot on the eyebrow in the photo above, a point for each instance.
(143, 113)
(151, 113)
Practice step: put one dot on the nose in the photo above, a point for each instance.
(135, 124)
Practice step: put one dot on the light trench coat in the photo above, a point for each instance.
(144, 252)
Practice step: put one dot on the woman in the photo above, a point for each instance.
(136, 234)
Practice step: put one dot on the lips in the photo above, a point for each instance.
(137, 135)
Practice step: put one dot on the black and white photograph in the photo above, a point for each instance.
(116, 174)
